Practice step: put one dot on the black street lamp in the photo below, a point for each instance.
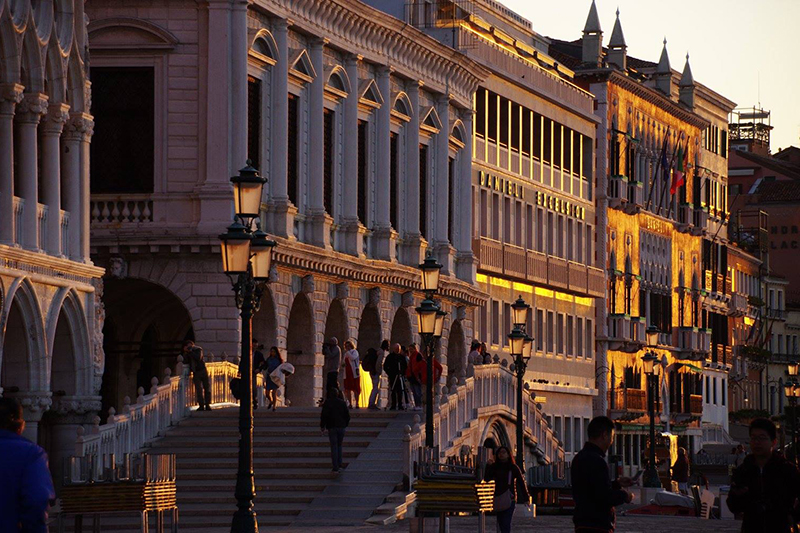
(649, 360)
(520, 346)
(792, 390)
(430, 320)
(246, 259)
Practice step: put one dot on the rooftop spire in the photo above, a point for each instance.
(663, 63)
(687, 80)
(617, 38)
(592, 21)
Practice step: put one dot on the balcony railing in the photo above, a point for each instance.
(577, 277)
(687, 340)
(635, 195)
(116, 209)
(557, 274)
(628, 400)
(685, 216)
(626, 333)
(514, 261)
(738, 305)
(489, 253)
(596, 282)
(700, 218)
(617, 191)
(537, 266)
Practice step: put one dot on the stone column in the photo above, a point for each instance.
(239, 48)
(65, 416)
(10, 96)
(350, 238)
(411, 247)
(29, 113)
(384, 237)
(600, 404)
(75, 167)
(442, 248)
(34, 404)
(466, 263)
(318, 222)
(52, 126)
(214, 193)
(282, 211)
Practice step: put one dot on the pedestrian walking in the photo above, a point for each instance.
(416, 368)
(373, 363)
(274, 360)
(197, 365)
(352, 377)
(765, 487)
(594, 493)
(333, 361)
(395, 367)
(26, 490)
(509, 487)
(333, 421)
(680, 471)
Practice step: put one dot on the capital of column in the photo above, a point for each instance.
(80, 127)
(34, 404)
(10, 96)
(76, 405)
(280, 25)
(31, 108)
(57, 115)
(352, 59)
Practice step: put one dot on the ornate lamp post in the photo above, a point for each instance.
(520, 346)
(430, 320)
(792, 390)
(649, 362)
(246, 259)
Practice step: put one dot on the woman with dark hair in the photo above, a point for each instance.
(509, 487)
(273, 361)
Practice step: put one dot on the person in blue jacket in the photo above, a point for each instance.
(26, 488)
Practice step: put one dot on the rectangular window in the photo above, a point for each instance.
(557, 133)
(526, 131)
(491, 121)
(327, 162)
(567, 159)
(363, 133)
(579, 337)
(560, 236)
(451, 168)
(548, 140)
(570, 239)
(495, 322)
(529, 227)
(292, 148)
(714, 389)
(708, 389)
(496, 217)
(515, 127)
(539, 330)
(480, 113)
(557, 427)
(506, 318)
(540, 230)
(537, 135)
(570, 334)
(393, 180)
(550, 231)
(484, 213)
(587, 148)
(518, 224)
(484, 323)
(568, 434)
(589, 338)
(550, 332)
(254, 121)
(504, 123)
(589, 257)
(423, 190)
(507, 220)
(122, 151)
(579, 243)
(724, 392)
(576, 154)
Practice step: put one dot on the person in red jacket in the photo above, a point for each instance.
(417, 373)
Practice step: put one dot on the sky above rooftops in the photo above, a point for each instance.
(731, 43)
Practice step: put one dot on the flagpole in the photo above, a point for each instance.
(655, 172)
(668, 178)
(685, 156)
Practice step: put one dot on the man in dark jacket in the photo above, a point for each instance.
(193, 356)
(334, 419)
(594, 494)
(395, 367)
(765, 486)
(26, 488)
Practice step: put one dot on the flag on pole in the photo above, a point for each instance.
(665, 167)
(678, 178)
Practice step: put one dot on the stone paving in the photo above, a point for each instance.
(549, 524)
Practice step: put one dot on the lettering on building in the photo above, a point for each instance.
(496, 183)
(656, 225)
(559, 205)
(776, 243)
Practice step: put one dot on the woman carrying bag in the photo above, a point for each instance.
(509, 485)
(273, 361)
(352, 378)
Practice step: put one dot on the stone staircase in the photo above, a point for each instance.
(294, 482)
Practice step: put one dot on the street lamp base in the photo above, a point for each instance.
(650, 479)
(244, 522)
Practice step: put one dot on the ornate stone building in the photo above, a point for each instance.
(653, 248)
(533, 198)
(51, 316)
(361, 124)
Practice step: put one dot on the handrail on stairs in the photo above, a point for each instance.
(456, 408)
(165, 405)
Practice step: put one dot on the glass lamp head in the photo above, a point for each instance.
(426, 317)
(793, 367)
(516, 342)
(527, 348)
(235, 249)
(248, 187)
(439, 325)
(519, 312)
(649, 361)
(262, 248)
(652, 335)
(430, 274)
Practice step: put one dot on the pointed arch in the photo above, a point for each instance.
(9, 53)
(32, 72)
(55, 74)
(22, 294)
(67, 306)
(264, 47)
(75, 83)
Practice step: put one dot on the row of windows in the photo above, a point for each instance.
(784, 344)
(516, 222)
(572, 431)
(715, 140)
(716, 390)
(554, 333)
(746, 284)
(523, 131)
